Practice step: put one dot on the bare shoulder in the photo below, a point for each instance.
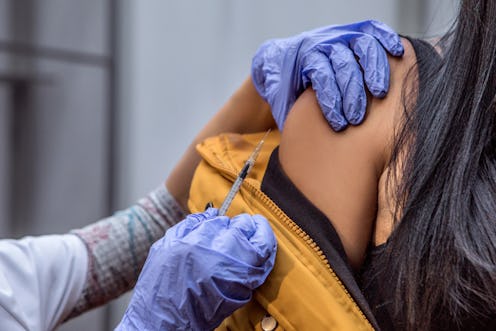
(339, 172)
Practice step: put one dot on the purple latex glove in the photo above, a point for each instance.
(200, 272)
(326, 59)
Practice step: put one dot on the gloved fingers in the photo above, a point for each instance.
(232, 239)
(206, 215)
(374, 62)
(191, 231)
(258, 70)
(350, 82)
(280, 107)
(266, 67)
(213, 308)
(203, 277)
(386, 36)
(257, 231)
(234, 276)
(317, 69)
(250, 239)
(191, 221)
(208, 232)
(245, 224)
(264, 240)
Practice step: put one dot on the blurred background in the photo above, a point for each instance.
(98, 98)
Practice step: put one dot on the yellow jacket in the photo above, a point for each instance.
(303, 292)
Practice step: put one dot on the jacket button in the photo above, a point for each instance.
(268, 323)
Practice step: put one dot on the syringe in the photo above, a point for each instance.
(241, 176)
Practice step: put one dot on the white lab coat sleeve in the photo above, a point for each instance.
(41, 279)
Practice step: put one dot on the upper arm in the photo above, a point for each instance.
(339, 172)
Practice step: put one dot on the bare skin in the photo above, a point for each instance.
(342, 174)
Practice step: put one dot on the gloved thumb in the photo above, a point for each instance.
(264, 240)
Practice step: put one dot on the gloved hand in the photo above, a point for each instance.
(203, 269)
(325, 58)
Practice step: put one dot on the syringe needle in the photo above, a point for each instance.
(241, 176)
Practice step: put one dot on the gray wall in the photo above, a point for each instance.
(55, 84)
(4, 161)
(425, 18)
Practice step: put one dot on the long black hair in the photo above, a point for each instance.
(439, 267)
